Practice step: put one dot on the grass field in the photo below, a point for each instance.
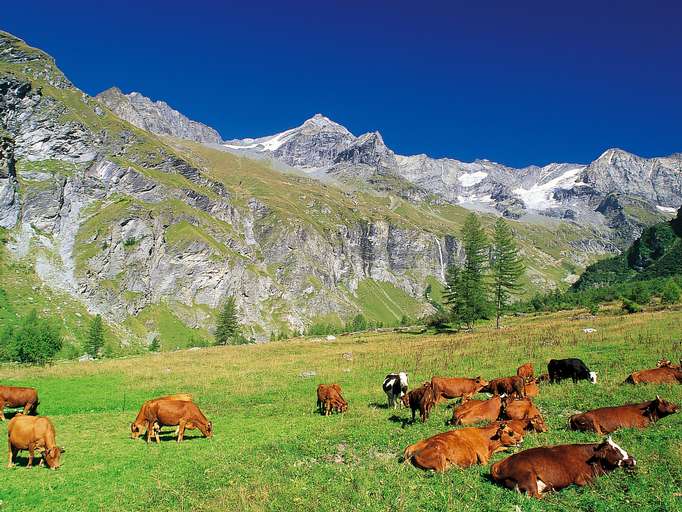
(271, 451)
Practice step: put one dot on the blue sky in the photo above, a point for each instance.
(514, 82)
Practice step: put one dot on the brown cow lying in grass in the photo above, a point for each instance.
(33, 433)
(525, 371)
(463, 448)
(521, 409)
(456, 387)
(510, 386)
(661, 375)
(537, 470)
(329, 399)
(421, 399)
(608, 419)
(535, 424)
(140, 420)
(531, 389)
(11, 396)
(171, 413)
(475, 411)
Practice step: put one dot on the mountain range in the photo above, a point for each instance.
(151, 219)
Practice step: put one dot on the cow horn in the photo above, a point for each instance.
(658, 398)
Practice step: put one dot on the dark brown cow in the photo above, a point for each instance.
(609, 419)
(463, 448)
(525, 371)
(169, 413)
(140, 420)
(531, 389)
(455, 387)
(329, 399)
(521, 409)
(536, 424)
(662, 375)
(420, 399)
(11, 396)
(510, 386)
(474, 411)
(33, 433)
(537, 470)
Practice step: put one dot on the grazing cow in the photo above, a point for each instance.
(455, 387)
(609, 419)
(531, 389)
(395, 386)
(171, 413)
(571, 368)
(140, 421)
(33, 433)
(11, 396)
(661, 375)
(464, 447)
(329, 399)
(421, 399)
(536, 424)
(474, 411)
(521, 409)
(510, 386)
(525, 371)
(537, 470)
(542, 378)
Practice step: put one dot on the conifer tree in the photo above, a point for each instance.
(227, 330)
(95, 340)
(506, 268)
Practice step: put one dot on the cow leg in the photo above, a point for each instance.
(27, 408)
(12, 453)
(528, 483)
(181, 430)
(2, 410)
(30, 455)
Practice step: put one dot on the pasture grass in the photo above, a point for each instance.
(272, 451)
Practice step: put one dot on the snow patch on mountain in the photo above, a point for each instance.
(666, 209)
(469, 180)
(540, 195)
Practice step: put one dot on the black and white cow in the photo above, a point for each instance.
(571, 368)
(395, 386)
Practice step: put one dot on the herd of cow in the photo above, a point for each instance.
(511, 414)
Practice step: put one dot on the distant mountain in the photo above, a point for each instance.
(155, 116)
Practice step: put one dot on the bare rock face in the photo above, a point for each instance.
(156, 116)
(9, 193)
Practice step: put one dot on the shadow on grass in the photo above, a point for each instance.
(404, 422)
(377, 405)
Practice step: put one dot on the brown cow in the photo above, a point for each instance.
(662, 375)
(140, 421)
(11, 396)
(531, 389)
(521, 409)
(510, 386)
(464, 447)
(33, 433)
(421, 399)
(474, 411)
(329, 399)
(525, 371)
(455, 387)
(608, 419)
(537, 470)
(535, 424)
(169, 413)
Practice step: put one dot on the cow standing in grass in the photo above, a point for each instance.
(12, 396)
(33, 433)
(140, 421)
(395, 387)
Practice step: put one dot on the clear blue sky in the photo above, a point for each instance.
(515, 82)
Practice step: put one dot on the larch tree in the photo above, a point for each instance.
(506, 268)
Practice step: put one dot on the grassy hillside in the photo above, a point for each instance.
(271, 451)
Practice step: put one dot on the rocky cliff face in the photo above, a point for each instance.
(9, 194)
(155, 116)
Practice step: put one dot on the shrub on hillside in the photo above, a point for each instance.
(640, 293)
(671, 292)
(33, 340)
(631, 307)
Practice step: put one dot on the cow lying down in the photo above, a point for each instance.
(546, 468)
(608, 419)
(464, 447)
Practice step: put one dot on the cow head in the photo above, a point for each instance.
(662, 408)
(405, 399)
(52, 456)
(664, 363)
(593, 377)
(480, 383)
(135, 430)
(507, 436)
(403, 382)
(610, 456)
(209, 429)
(536, 424)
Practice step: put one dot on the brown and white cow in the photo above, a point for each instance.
(525, 371)
(475, 411)
(609, 419)
(329, 399)
(464, 447)
(171, 413)
(510, 386)
(521, 409)
(11, 396)
(546, 468)
(33, 433)
(455, 387)
(662, 375)
(140, 421)
(421, 399)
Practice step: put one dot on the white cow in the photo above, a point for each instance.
(395, 386)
